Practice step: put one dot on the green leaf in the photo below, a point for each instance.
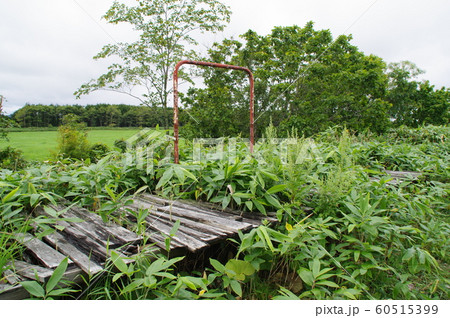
(316, 267)
(264, 235)
(10, 195)
(49, 197)
(167, 243)
(61, 292)
(33, 288)
(132, 286)
(268, 174)
(118, 262)
(50, 211)
(175, 228)
(188, 174)
(165, 274)
(409, 254)
(306, 275)
(236, 287)
(276, 188)
(327, 283)
(225, 201)
(34, 198)
(167, 175)
(188, 283)
(217, 265)
(57, 275)
(259, 206)
(110, 193)
(117, 276)
(4, 184)
(272, 201)
(356, 255)
(240, 268)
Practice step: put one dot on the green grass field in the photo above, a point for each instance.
(39, 145)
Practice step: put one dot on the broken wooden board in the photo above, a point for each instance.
(201, 225)
(44, 254)
(78, 256)
(87, 243)
(398, 176)
(31, 271)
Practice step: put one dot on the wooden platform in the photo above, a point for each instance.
(87, 241)
(397, 177)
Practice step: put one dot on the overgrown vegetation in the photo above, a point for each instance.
(345, 230)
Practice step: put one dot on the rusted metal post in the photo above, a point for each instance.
(175, 99)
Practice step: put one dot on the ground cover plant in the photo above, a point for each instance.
(345, 230)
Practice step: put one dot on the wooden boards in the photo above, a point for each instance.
(397, 177)
(86, 240)
(200, 224)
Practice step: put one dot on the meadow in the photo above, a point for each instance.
(39, 145)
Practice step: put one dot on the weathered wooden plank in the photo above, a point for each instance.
(212, 209)
(31, 271)
(11, 277)
(46, 255)
(220, 220)
(10, 292)
(82, 239)
(403, 174)
(187, 218)
(160, 240)
(398, 176)
(15, 292)
(191, 243)
(104, 230)
(250, 217)
(96, 232)
(184, 227)
(78, 257)
(155, 236)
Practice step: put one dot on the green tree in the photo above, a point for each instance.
(402, 92)
(113, 114)
(166, 29)
(5, 122)
(303, 79)
(2, 119)
(434, 105)
(72, 139)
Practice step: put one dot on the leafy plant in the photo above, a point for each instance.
(52, 288)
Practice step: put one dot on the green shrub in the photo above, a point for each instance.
(97, 151)
(72, 140)
(12, 159)
(121, 144)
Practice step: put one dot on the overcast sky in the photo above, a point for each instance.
(46, 46)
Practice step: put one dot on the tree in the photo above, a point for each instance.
(5, 122)
(402, 92)
(72, 138)
(2, 120)
(303, 79)
(165, 29)
(434, 105)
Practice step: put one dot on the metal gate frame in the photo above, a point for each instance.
(175, 99)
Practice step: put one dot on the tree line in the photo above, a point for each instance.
(100, 115)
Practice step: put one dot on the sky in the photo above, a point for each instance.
(46, 46)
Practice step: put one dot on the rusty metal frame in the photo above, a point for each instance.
(175, 99)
